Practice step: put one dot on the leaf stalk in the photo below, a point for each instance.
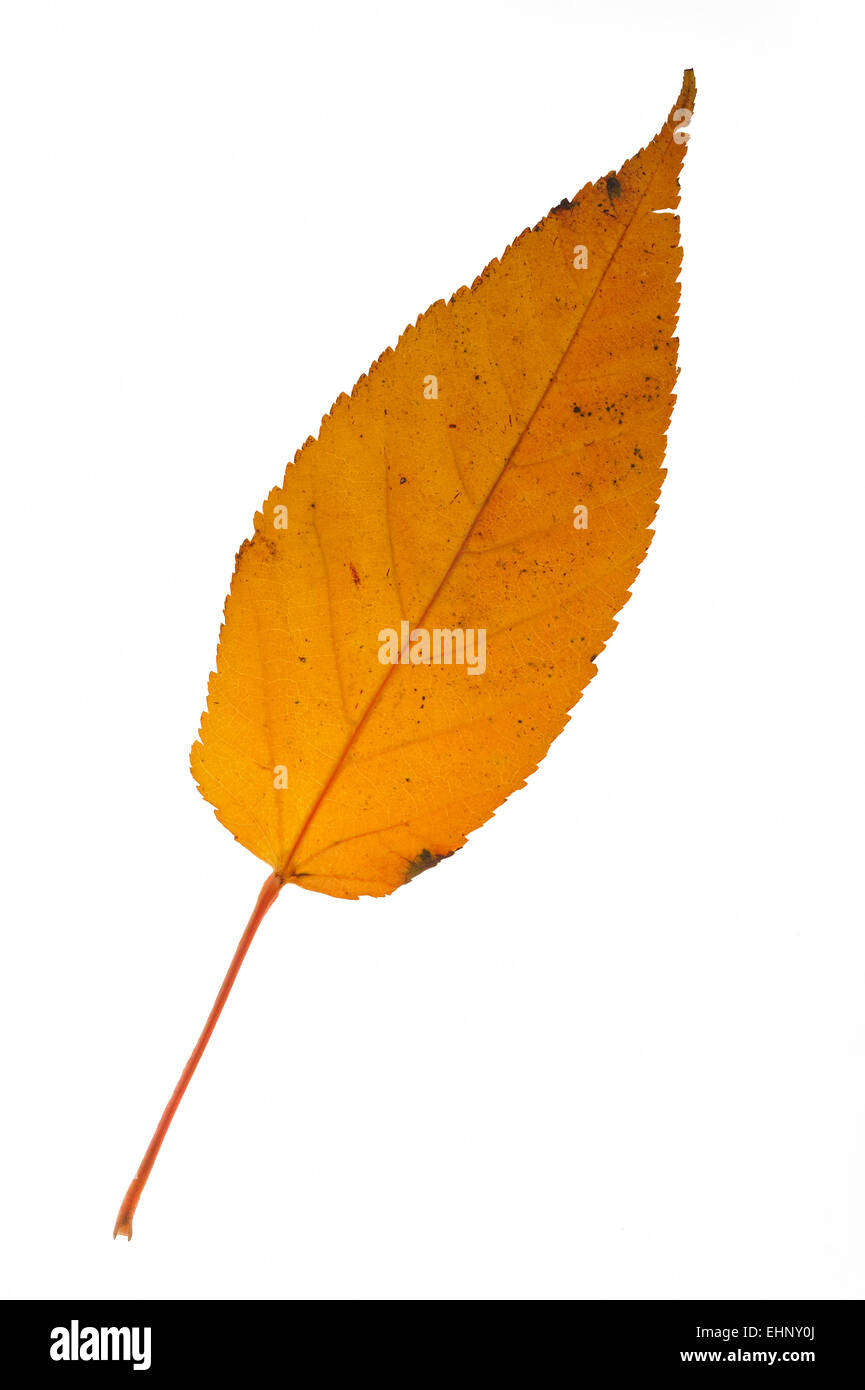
(266, 898)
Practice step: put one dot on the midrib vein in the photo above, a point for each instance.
(284, 871)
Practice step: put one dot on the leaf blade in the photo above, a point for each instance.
(456, 512)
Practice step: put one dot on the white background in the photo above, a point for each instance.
(615, 1047)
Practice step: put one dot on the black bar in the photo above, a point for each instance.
(607, 1338)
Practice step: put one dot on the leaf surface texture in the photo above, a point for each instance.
(453, 512)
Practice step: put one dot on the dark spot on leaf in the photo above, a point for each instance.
(425, 860)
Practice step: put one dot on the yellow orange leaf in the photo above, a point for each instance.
(425, 594)
(442, 495)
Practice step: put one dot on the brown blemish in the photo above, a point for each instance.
(425, 860)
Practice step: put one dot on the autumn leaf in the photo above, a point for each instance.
(426, 593)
